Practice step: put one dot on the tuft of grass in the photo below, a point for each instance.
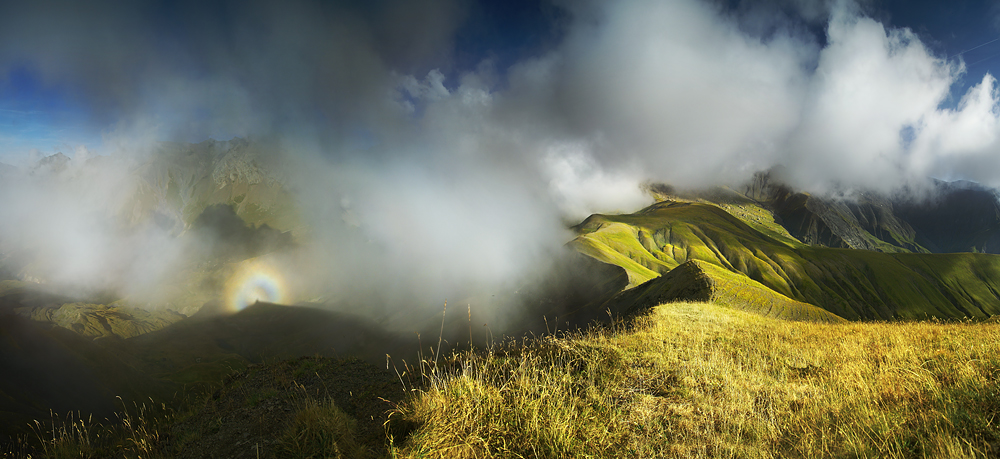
(320, 429)
(696, 380)
(139, 429)
(68, 437)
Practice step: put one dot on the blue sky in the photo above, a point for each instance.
(36, 116)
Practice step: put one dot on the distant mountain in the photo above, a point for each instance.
(179, 181)
(950, 217)
(6, 169)
(54, 164)
(960, 217)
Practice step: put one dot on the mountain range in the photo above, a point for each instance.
(761, 247)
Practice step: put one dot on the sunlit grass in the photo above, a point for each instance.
(696, 380)
(686, 380)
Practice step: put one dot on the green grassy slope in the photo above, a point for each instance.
(853, 284)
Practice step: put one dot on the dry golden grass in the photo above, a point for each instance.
(697, 380)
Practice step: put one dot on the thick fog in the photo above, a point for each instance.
(424, 178)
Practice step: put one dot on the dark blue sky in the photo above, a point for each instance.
(70, 74)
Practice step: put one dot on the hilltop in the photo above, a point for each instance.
(696, 280)
(680, 380)
(698, 380)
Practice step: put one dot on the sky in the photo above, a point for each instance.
(76, 75)
(462, 137)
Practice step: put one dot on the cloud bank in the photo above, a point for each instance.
(422, 181)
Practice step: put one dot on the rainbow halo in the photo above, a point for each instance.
(255, 280)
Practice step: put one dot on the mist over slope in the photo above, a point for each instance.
(187, 224)
(408, 173)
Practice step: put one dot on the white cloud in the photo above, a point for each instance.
(680, 87)
(962, 143)
(581, 187)
(870, 85)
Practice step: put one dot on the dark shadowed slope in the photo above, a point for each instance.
(47, 367)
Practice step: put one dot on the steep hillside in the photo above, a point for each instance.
(51, 367)
(201, 350)
(680, 380)
(98, 320)
(853, 284)
(47, 367)
(87, 317)
(306, 407)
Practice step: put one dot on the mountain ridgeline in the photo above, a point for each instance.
(866, 259)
